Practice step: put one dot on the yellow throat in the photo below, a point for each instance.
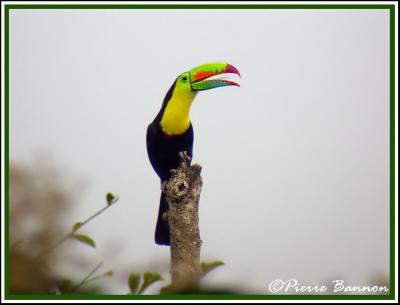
(175, 119)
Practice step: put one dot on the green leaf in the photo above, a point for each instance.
(149, 278)
(76, 226)
(207, 267)
(111, 198)
(134, 281)
(85, 239)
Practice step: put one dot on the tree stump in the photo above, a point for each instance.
(182, 192)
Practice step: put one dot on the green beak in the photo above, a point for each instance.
(199, 76)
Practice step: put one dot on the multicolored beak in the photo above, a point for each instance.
(200, 76)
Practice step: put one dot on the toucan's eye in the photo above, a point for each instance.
(184, 78)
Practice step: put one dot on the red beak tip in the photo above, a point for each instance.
(231, 69)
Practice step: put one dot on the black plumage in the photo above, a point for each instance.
(163, 151)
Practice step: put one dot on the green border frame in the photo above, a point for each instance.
(390, 7)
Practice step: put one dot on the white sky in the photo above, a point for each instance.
(295, 162)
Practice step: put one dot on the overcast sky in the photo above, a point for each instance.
(295, 161)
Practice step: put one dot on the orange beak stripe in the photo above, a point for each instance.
(201, 75)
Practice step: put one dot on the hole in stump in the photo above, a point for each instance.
(181, 187)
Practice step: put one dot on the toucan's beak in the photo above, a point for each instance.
(199, 76)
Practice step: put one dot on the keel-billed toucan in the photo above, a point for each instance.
(171, 132)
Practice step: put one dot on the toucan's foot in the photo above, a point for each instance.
(184, 156)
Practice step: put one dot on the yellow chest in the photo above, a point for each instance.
(175, 119)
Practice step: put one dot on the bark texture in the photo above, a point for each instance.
(183, 193)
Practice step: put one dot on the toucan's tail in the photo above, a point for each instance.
(162, 228)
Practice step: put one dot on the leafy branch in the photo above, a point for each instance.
(110, 199)
(149, 278)
(67, 287)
